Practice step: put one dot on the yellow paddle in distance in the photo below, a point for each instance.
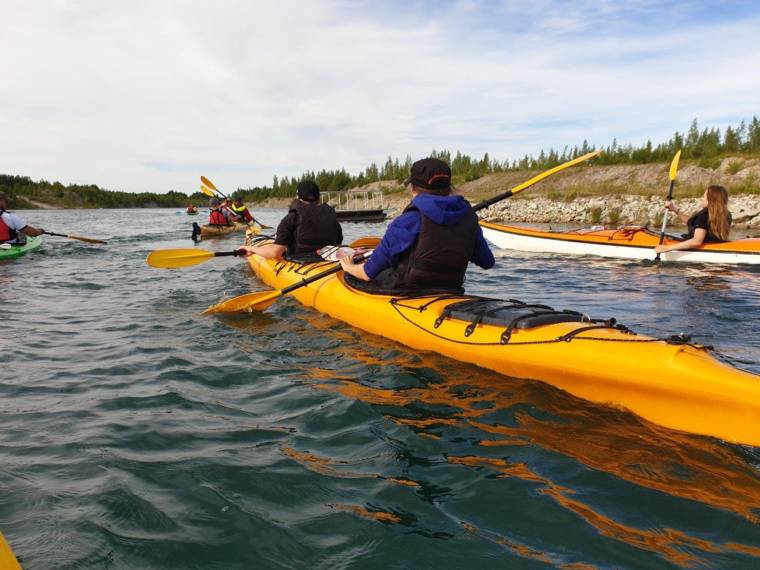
(535, 180)
(210, 184)
(672, 174)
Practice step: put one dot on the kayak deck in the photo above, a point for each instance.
(209, 230)
(630, 242)
(669, 382)
(14, 251)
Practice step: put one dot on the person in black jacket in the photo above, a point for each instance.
(430, 245)
(308, 226)
(711, 224)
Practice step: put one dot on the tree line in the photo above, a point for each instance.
(704, 145)
(22, 189)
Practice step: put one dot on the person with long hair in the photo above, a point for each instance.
(711, 224)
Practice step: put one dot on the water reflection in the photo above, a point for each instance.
(480, 419)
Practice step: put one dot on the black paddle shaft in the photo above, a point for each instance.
(318, 276)
(225, 253)
(492, 201)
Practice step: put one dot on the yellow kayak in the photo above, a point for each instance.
(7, 560)
(209, 230)
(670, 382)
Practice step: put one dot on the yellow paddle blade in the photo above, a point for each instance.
(206, 191)
(245, 303)
(208, 183)
(674, 165)
(370, 242)
(174, 258)
(547, 173)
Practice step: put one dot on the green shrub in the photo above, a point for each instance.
(711, 163)
(596, 215)
(614, 216)
(734, 166)
(751, 185)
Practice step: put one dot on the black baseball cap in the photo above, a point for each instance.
(431, 174)
(308, 190)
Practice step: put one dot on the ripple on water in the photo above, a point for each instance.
(137, 433)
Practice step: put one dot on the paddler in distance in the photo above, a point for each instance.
(13, 229)
(308, 226)
(430, 244)
(215, 216)
(240, 209)
(710, 224)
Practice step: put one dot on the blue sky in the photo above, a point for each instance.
(147, 96)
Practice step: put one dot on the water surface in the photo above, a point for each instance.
(137, 433)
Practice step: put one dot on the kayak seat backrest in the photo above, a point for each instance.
(374, 288)
(510, 314)
(304, 258)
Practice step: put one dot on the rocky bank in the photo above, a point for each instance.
(612, 195)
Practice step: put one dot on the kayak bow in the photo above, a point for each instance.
(14, 251)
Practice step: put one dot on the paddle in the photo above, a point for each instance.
(535, 180)
(262, 299)
(672, 174)
(88, 240)
(175, 258)
(210, 184)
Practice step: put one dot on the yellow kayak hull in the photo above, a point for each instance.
(208, 230)
(679, 386)
(7, 559)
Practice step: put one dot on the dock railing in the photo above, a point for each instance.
(355, 200)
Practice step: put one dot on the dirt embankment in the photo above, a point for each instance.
(623, 194)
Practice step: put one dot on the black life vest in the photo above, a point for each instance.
(439, 257)
(6, 233)
(316, 226)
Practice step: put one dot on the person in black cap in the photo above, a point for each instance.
(431, 243)
(308, 226)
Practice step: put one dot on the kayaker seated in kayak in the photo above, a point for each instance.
(431, 243)
(13, 229)
(711, 224)
(215, 216)
(228, 212)
(308, 226)
(191, 209)
(240, 209)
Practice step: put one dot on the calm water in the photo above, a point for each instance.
(137, 433)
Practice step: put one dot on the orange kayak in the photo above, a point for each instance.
(630, 242)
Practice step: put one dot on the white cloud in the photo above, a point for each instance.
(150, 95)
